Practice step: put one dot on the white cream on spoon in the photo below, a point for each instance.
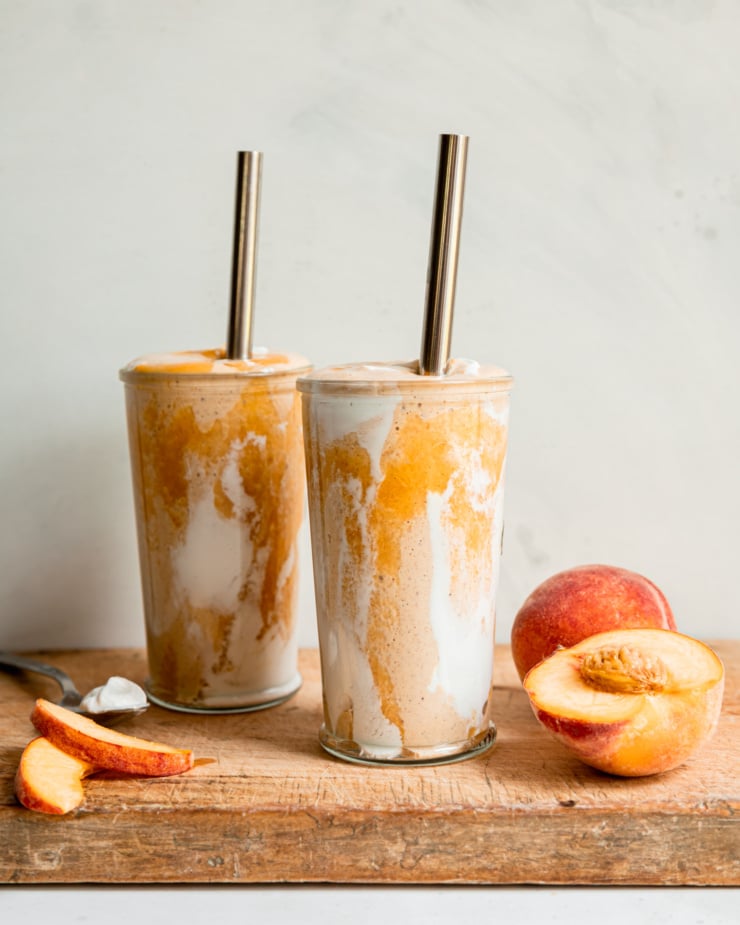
(116, 694)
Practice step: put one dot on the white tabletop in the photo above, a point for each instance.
(342, 904)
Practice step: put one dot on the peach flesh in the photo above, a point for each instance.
(645, 718)
(87, 740)
(49, 780)
(578, 602)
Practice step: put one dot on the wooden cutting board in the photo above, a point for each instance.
(271, 806)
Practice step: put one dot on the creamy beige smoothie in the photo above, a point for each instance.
(405, 491)
(219, 487)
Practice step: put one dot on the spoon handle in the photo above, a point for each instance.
(71, 694)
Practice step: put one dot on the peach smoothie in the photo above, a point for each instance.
(219, 488)
(405, 492)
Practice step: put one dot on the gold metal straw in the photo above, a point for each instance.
(443, 254)
(243, 263)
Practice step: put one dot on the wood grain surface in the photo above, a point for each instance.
(266, 804)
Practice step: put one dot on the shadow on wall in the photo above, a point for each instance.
(68, 560)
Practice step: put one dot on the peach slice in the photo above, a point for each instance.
(629, 702)
(49, 780)
(88, 741)
(578, 602)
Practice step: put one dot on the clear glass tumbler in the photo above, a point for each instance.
(405, 494)
(219, 490)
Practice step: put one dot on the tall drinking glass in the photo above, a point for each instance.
(219, 489)
(405, 493)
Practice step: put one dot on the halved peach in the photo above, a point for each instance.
(630, 702)
(87, 740)
(49, 780)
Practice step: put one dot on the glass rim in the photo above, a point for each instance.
(134, 377)
(374, 388)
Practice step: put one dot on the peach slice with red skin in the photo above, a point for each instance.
(578, 602)
(49, 780)
(629, 702)
(105, 748)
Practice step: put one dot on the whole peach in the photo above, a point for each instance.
(581, 601)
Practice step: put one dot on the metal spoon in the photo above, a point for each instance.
(71, 697)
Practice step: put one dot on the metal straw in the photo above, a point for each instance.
(243, 263)
(443, 253)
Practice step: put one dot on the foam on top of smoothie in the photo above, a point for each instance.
(406, 373)
(215, 362)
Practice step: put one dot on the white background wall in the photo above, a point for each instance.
(600, 260)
